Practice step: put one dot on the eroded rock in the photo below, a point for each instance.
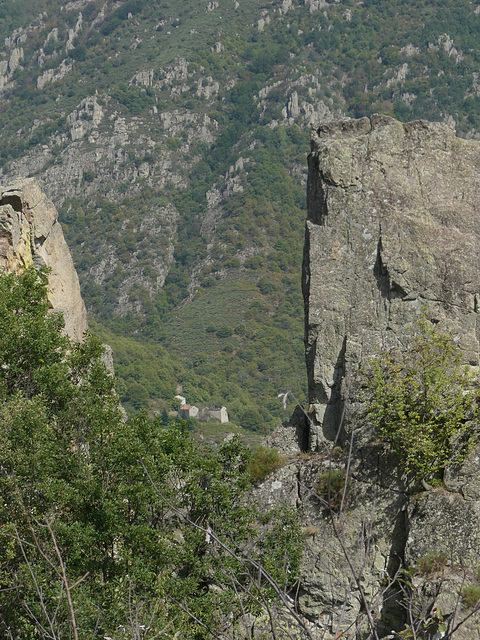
(31, 234)
(392, 232)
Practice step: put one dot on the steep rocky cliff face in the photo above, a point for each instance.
(392, 233)
(392, 230)
(31, 234)
(172, 139)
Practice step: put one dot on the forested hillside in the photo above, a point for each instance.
(173, 136)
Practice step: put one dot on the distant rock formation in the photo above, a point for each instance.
(393, 229)
(31, 234)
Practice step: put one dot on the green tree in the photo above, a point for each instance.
(58, 409)
(32, 345)
(107, 524)
(423, 404)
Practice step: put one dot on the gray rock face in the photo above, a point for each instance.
(31, 234)
(392, 230)
(392, 233)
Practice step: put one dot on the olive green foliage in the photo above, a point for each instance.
(330, 487)
(143, 371)
(264, 462)
(471, 592)
(13, 13)
(136, 100)
(432, 562)
(471, 595)
(141, 524)
(242, 364)
(422, 404)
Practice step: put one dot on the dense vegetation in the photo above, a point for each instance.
(198, 206)
(114, 528)
(130, 529)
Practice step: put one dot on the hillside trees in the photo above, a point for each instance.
(109, 528)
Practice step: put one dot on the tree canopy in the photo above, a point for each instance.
(115, 528)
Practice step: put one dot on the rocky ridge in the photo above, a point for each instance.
(31, 234)
(185, 114)
(392, 233)
(392, 230)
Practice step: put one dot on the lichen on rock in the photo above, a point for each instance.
(392, 236)
(392, 230)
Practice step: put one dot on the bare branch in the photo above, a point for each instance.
(64, 579)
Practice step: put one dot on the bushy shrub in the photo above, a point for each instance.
(266, 286)
(432, 562)
(422, 405)
(250, 418)
(224, 332)
(471, 595)
(264, 462)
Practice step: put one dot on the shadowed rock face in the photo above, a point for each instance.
(393, 230)
(31, 234)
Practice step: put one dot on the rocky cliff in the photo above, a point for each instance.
(392, 230)
(392, 234)
(31, 234)
(177, 174)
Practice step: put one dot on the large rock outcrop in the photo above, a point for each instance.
(393, 234)
(393, 229)
(31, 234)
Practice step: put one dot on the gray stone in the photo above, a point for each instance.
(392, 231)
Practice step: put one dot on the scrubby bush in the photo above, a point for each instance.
(471, 595)
(330, 487)
(422, 404)
(264, 462)
(224, 332)
(432, 562)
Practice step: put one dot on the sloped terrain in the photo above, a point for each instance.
(173, 138)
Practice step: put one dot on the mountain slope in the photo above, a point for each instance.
(173, 137)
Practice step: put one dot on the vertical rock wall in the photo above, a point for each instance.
(393, 230)
(31, 234)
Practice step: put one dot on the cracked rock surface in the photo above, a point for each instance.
(392, 233)
(392, 230)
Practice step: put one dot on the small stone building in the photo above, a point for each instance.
(217, 413)
(188, 411)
